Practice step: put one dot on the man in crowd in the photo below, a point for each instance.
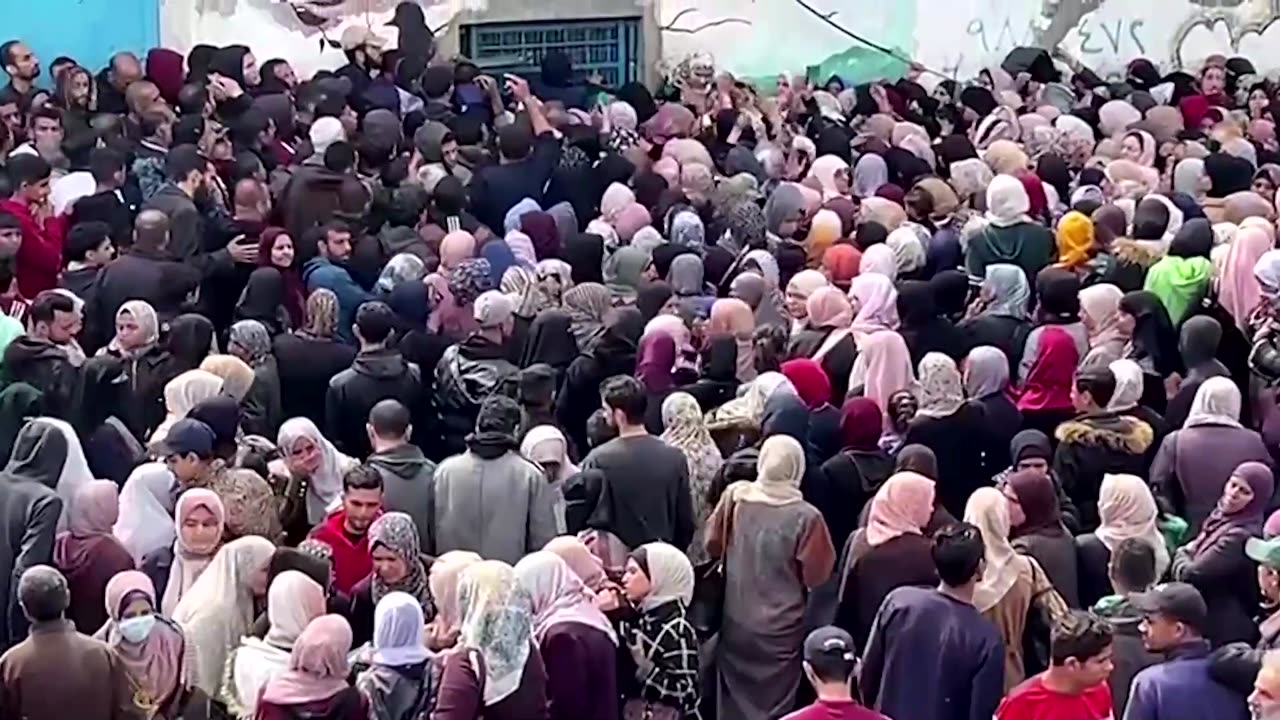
(648, 494)
(490, 499)
(36, 678)
(122, 71)
(1179, 688)
(1075, 685)
(38, 358)
(1132, 571)
(936, 634)
(475, 369)
(406, 473)
(346, 530)
(830, 665)
(106, 203)
(23, 67)
(329, 270)
(43, 233)
(529, 156)
(1264, 701)
(88, 251)
(378, 372)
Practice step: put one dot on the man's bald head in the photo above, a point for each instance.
(251, 198)
(125, 70)
(141, 96)
(151, 230)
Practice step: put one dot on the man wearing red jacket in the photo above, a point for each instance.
(346, 530)
(39, 257)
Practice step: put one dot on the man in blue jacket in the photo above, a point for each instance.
(328, 270)
(1175, 616)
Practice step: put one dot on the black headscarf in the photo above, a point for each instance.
(1193, 239)
(978, 99)
(102, 390)
(1154, 338)
(585, 255)
(953, 149)
(951, 293)
(262, 299)
(291, 559)
(1059, 292)
(1150, 219)
(639, 97)
(198, 62)
(916, 306)
(19, 402)
(650, 298)
(615, 348)
(917, 458)
(1198, 340)
(1029, 444)
(1227, 174)
(1053, 170)
(870, 233)
(229, 61)
(785, 414)
(189, 340)
(550, 341)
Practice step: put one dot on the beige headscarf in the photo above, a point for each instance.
(1005, 157)
(988, 510)
(779, 470)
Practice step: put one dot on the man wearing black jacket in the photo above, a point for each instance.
(38, 359)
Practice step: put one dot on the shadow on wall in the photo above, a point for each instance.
(90, 31)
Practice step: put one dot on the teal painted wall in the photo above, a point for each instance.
(88, 30)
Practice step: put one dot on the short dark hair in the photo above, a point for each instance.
(44, 112)
(1079, 635)
(1133, 563)
(6, 51)
(340, 157)
(375, 320)
(436, 81)
(1100, 383)
(182, 161)
(85, 237)
(9, 221)
(599, 431)
(47, 304)
(957, 553)
(625, 393)
(25, 168)
(150, 122)
(515, 141)
(361, 477)
(104, 163)
(334, 226)
(43, 593)
(390, 418)
(192, 99)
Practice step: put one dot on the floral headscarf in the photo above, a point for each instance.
(469, 280)
(497, 620)
(321, 315)
(685, 431)
(941, 388)
(586, 304)
(252, 337)
(397, 532)
(145, 316)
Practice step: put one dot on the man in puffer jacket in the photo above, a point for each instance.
(473, 370)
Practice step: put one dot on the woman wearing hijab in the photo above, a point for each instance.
(276, 257)
(1153, 344)
(883, 367)
(684, 430)
(612, 352)
(986, 384)
(311, 471)
(624, 272)
(148, 365)
(446, 572)
(146, 521)
(1199, 340)
(263, 301)
(263, 410)
(400, 681)
(397, 567)
(950, 428)
(1193, 463)
(315, 685)
(892, 551)
(730, 316)
(717, 382)
(1215, 563)
(309, 356)
(1038, 531)
(1238, 289)
(1100, 313)
(827, 338)
(875, 305)
(1012, 585)
(1010, 235)
(1181, 278)
(814, 388)
(152, 648)
(1127, 510)
(198, 523)
(764, 614)
(182, 394)
(1000, 315)
(89, 555)
(496, 633)
(218, 609)
(1046, 397)
(1058, 292)
(293, 601)
(1031, 450)
(577, 642)
(922, 325)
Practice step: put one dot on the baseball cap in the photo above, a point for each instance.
(188, 436)
(357, 36)
(1177, 600)
(829, 643)
(1266, 552)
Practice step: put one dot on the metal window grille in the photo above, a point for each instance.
(608, 47)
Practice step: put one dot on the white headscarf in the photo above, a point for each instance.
(670, 575)
(498, 623)
(908, 251)
(182, 394)
(546, 444)
(75, 469)
(293, 601)
(1217, 402)
(146, 511)
(218, 609)
(1128, 384)
(397, 631)
(1126, 510)
(988, 510)
(325, 486)
(1007, 201)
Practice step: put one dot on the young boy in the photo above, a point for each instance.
(88, 250)
(1075, 685)
(829, 665)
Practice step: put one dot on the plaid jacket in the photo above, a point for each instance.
(664, 647)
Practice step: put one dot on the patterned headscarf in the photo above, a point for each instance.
(497, 620)
(941, 388)
(252, 337)
(747, 228)
(396, 532)
(586, 304)
(145, 316)
(685, 431)
(687, 230)
(321, 315)
(469, 280)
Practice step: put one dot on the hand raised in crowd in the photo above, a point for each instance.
(519, 87)
(437, 638)
(243, 250)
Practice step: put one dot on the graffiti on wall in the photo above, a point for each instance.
(957, 38)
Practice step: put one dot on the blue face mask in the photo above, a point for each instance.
(136, 629)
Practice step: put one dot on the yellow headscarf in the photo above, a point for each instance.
(1075, 239)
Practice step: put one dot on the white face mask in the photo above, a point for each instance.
(136, 629)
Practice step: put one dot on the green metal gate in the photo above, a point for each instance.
(608, 47)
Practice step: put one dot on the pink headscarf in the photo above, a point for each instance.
(902, 506)
(828, 307)
(883, 367)
(688, 152)
(586, 566)
(631, 220)
(668, 169)
(876, 303)
(455, 247)
(317, 666)
(157, 663)
(89, 521)
(1238, 290)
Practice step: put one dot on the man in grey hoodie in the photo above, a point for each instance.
(489, 499)
(406, 473)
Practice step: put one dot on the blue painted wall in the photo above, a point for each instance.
(88, 30)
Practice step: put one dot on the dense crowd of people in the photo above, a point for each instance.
(404, 392)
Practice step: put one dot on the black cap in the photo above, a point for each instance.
(408, 13)
(829, 643)
(188, 436)
(1175, 600)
